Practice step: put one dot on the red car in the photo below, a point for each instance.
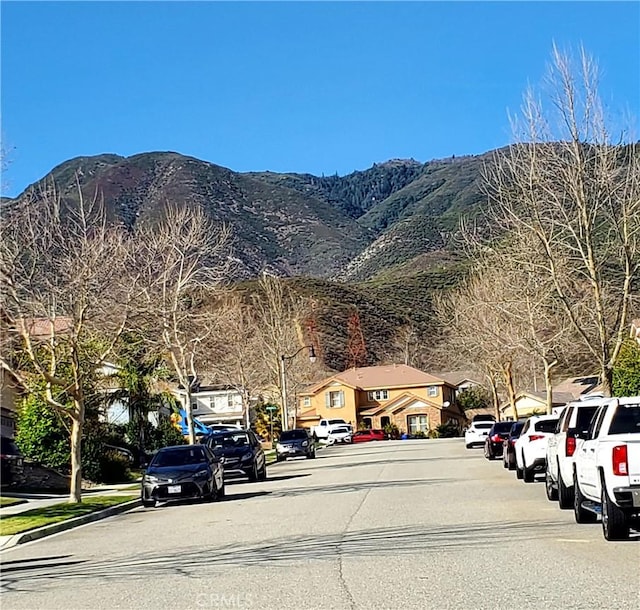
(364, 436)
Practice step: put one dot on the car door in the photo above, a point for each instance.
(587, 473)
(554, 443)
(257, 450)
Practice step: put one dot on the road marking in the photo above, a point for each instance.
(572, 540)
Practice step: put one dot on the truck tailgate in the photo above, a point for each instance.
(633, 461)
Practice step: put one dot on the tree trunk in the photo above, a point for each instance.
(548, 386)
(494, 397)
(511, 391)
(189, 413)
(75, 491)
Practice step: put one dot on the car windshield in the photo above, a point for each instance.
(9, 447)
(516, 429)
(337, 421)
(503, 426)
(230, 439)
(481, 426)
(179, 457)
(546, 425)
(626, 420)
(292, 435)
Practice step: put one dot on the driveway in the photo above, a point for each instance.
(398, 524)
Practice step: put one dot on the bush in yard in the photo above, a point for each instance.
(41, 434)
(392, 431)
(449, 429)
(626, 373)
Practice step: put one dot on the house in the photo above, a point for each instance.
(635, 330)
(11, 392)
(376, 396)
(462, 380)
(213, 404)
(533, 403)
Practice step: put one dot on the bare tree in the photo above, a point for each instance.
(65, 293)
(185, 262)
(278, 314)
(573, 189)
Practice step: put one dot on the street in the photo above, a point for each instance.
(397, 524)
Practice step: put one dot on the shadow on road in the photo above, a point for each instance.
(195, 561)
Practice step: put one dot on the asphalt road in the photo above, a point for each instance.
(390, 525)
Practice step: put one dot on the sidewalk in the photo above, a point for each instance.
(44, 500)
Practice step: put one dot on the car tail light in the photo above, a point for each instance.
(620, 466)
(570, 445)
(535, 437)
(496, 438)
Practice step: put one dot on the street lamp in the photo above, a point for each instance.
(283, 380)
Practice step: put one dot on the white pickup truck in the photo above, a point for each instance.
(321, 431)
(606, 470)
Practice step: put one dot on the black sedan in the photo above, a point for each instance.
(12, 463)
(182, 472)
(240, 452)
(497, 435)
(294, 443)
(508, 449)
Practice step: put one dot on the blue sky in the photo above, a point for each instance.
(290, 86)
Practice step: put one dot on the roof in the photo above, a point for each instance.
(579, 386)
(40, 328)
(398, 403)
(558, 398)
(384, 376)
(455, 378)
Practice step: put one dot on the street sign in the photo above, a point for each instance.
(272, 408)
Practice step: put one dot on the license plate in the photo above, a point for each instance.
(174, 489)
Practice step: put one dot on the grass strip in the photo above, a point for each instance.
(37, 517)
(4, 501)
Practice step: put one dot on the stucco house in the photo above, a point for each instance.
(533, 403)
(214, 404)
(375, 396)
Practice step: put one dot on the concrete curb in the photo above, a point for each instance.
(54, 528)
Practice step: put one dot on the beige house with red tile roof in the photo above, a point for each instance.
(375, 396)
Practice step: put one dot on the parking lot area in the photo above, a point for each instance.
(392, 524)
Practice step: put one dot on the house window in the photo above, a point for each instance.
(366, 422)
(378, 395)
(306, 401)
(418, 423)
(194, 405)
(334, 400)
(432, 390)
(385, 421)
(231, 401)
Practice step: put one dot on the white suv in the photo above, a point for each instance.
(476, 433)
(563, 445)
(531, 446)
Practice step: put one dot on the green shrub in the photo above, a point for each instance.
(392, 430)
(626, 373)
(449, 429)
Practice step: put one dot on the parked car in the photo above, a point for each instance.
(531, 446)
(476, 433)
(184, 471)
(12, 462)
(294, 443)
(508, 445)
(340, 435)
(364, 436)
(325, 426)
(562, 446)
(494, 439)
(606, 474)
(240, 452)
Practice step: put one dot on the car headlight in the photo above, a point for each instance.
(247, 456)
(149, 478)
(279, 447)
(305, 443)
(201, 474)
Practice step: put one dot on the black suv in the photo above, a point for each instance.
(508, 449)
(493, 444)
(295, 442)
(240, 452)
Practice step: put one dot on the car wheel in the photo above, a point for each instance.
(505, 464)
(615, 522)
(262, 474)
(581, 514)
(511, 460)
(212, 496)
(253, 473)
(222, 492)
(552, 492)
(311, 455)
(519, 471)
(148, 503)
(280, 458)
(565, 494)
(528, 475)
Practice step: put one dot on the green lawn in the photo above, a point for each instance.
(10, 501)
(15, 524)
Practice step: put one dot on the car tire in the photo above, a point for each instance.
(615, 522)
(552, 492)
(280, 458)
(505, 464)
(565, 494)
(581, 514)
(222, 492)
(253, 473)
(148, 503)
(312, 455)
(528, 475)
(262, 474)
